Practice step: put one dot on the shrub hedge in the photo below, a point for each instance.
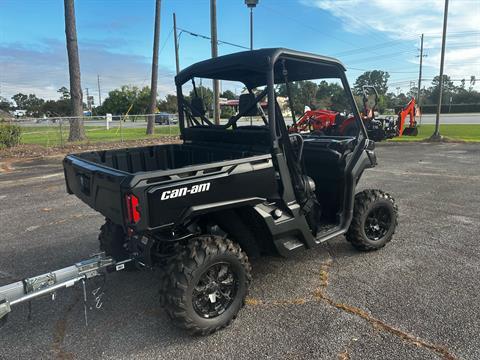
(9, 135)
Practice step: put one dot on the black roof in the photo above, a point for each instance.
(250, 67)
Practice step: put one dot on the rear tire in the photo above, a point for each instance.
(112, 241)
(205, 286)
(375, 218)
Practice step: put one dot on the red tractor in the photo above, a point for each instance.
(334, 123)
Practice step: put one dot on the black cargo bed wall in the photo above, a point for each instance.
(163, 157)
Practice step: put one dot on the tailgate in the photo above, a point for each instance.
(97, 186)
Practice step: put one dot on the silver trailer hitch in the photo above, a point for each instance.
(34, 287)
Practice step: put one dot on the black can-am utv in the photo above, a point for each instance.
(241, 188)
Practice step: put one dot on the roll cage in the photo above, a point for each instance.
(264, 67)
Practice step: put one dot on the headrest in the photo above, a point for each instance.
(245, 102)
(198, 107)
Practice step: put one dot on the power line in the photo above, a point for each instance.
(393, 71)
(166, 41)
(401, 42)
(209, 38)
(380, 57)
(455, 34)
(352, 52)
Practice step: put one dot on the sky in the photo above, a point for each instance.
(115, 39)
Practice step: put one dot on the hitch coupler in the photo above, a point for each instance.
(31, 288)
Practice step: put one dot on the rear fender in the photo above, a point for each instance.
(204, 209)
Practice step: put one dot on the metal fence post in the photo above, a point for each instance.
(61, 133)
(121, 129)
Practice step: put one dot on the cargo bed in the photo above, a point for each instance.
(102, 179)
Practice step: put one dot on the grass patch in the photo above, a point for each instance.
(461, 132)
(55, 136)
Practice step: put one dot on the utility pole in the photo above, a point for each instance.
(77, 130)
(153, 87)
(216, 85)
(420, 71)
(89, 107)
(177, 61)
(99, 92)
(436, 135)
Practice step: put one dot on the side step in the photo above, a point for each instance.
(286, 245)
(31, 288)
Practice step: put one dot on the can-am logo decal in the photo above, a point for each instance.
(175, 193)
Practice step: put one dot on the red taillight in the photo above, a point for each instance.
(133, 215)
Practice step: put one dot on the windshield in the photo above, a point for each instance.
(318, 106)
(239, 106)
(309, 97)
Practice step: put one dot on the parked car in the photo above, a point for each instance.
(165, 118)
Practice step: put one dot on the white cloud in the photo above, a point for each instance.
(43, 69)
(404, 20)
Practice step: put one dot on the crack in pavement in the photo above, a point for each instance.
(319, 295)
(379, 324)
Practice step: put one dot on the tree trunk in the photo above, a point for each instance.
(153, 87)
(77, 131)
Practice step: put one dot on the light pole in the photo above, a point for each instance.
(251, 4)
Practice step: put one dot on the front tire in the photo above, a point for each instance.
(205, 286)
(375, 218)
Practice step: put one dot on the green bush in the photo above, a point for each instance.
(9, 135)
(226, 112)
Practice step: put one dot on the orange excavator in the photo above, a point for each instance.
(334, 123)
(409, 110)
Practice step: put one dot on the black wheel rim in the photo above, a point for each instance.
(378, 223)
(215, 291)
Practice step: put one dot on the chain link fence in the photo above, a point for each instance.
(54, 131)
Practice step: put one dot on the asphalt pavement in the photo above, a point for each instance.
(417, 298)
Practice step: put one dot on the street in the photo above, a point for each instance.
(473, 118)
(416, 298)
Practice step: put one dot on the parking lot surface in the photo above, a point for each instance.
(417, 298)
